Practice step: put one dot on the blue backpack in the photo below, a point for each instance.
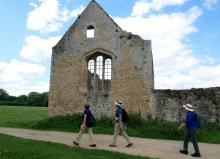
(198, 122)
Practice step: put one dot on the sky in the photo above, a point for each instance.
(185, 37)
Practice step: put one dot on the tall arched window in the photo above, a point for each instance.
(91, 69)
(107, 74)
(99, 73)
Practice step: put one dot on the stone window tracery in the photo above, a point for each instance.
(99, 73)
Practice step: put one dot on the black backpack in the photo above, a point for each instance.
(124, 116)
(91, 121)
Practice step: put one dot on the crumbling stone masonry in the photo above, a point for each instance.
(78, 73)
(168, 103)
(96, 62)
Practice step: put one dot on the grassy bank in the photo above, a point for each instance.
(17, 148)
(136, 127)
(36, 118)
(20, 116)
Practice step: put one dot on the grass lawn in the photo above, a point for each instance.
(19, 116)
(17, 148)
(36, 118)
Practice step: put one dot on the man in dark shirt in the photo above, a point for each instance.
(119, 125)
(87, 117)
(191, 129)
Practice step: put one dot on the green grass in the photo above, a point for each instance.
(17, 148)
(136, 127)
(36, 118)
(19, 116)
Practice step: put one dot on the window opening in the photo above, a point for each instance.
(108, 68)
(99, 73)
(90, 31)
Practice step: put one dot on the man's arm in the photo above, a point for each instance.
(84, 120)
(120, 120)
(181, 126)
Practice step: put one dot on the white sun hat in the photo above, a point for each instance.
(188, 107)
(118, 103)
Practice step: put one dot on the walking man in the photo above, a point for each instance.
(190, 132)
(86, 125)
(119, 125)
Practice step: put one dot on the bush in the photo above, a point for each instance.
(137, 126)
(33, 99)
(135, 121)
(68, 122)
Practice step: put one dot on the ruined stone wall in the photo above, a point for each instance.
(133, 75)
(168, 103)
(132, 67)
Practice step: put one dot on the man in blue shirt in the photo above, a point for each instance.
(119, 125)
(86, 126)
(191, 129)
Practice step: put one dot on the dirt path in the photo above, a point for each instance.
(163, 149)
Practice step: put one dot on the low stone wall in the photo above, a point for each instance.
(168, 103)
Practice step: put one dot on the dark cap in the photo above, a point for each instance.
(86, 106)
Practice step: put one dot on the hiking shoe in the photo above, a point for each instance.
(75, 143)
(129, 145)
(92, 145)
(183, 152)
(112, 145)
(196, 155)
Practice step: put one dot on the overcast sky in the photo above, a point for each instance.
(185, 38)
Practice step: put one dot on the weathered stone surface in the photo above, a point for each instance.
(168, 103)
(132, 74)
(132, 67)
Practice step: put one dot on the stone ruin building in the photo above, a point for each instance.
(96, 62)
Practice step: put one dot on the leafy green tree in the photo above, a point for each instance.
(21, 100)
(3, 95)
(45, 99)
(32, 99)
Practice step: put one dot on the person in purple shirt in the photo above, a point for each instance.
(191, 130)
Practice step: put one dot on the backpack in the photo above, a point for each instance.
(124, 116)
(91, 122)
(198, 121)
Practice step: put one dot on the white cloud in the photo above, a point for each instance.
(16, 77)
(200, 76)
(18, 71)
(45, 17)
(37, 49)
(167, 31)
(210, 3)
(41, 86)
(77, 11)
(175, 65)
(142, 7)
(159, 4)
(32, 4)
(49, 16)
(16, 89)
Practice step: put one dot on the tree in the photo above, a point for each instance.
(21, 100)
(3, 95)
(45, 99)
(34, 99)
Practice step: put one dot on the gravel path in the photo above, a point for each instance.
(163, 149)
